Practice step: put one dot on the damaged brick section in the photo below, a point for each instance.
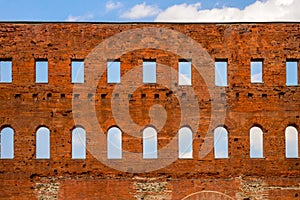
(148, 189)
(259, 189)
(252, 189)
(47, 189)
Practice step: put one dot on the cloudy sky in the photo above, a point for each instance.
(146, 10)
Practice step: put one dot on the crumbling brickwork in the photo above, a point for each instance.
(271, 105)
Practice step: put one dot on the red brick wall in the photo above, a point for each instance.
(239, 176)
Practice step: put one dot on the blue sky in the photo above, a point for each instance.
(136, 10)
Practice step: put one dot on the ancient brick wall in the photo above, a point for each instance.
(26, 105)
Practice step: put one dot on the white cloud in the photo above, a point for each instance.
(140, 11)
(284, 2)
(256, 142)
(291, 136)
(256, 78)
(186, 154)
(181, 12)
(267, 10)
(72, 18)
(184, 79)
(110, 5)
(221, 154)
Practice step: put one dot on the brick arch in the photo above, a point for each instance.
(149, 126)
(7, 126)
(257, 125)
(222, 126)
(42, 126)
(77, 126)
(113, 126)
(293, 125)
(208, 195)
(189, 127)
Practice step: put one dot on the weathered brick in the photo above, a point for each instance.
(26, 105)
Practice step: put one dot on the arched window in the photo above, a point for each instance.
(256, 143)
(185, 143)
(43, 143)
(149, 143)
(7, 143)
(78, 143)
(291, 142)
(114, 143)
(221, 142)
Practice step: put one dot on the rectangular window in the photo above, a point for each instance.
(185, 72)
(291, 73)
(77, 71)
(149, 71)
(113, 72)
(5, 71)
(41, 71)
(256, 71)
(221, 73)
